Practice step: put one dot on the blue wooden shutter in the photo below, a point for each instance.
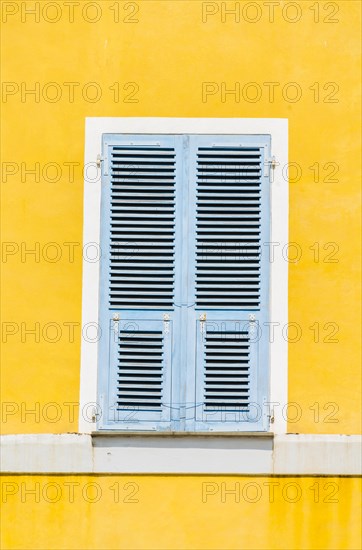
(184, 286)
(229, 271)
(140, 239)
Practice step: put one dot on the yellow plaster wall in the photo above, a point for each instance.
(180, 512)
(169, 53)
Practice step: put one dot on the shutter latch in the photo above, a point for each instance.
(202, 322)
(252, 323)
(99, 160)
(115, 323)
(166, 323)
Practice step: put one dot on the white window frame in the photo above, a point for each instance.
(278, 129)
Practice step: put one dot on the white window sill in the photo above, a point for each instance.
(290, 454)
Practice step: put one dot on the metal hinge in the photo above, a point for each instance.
(95, 414)
(272, 165)
(99, 161)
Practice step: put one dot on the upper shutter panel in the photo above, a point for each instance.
(142, 227)
(228, 227)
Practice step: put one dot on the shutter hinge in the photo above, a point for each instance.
(270, 413)
(95, 415)
(268, 407)
(272, 163)
(103, 159)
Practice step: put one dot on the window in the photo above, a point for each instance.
(184, 285)
(184, 212)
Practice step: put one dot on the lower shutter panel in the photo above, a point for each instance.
(141, 361)
(140, 369)
(227, 360)
(226, 370)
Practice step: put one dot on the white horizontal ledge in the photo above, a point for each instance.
(84, 454)
(46, 453)
(317, 454)
(185, 455)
